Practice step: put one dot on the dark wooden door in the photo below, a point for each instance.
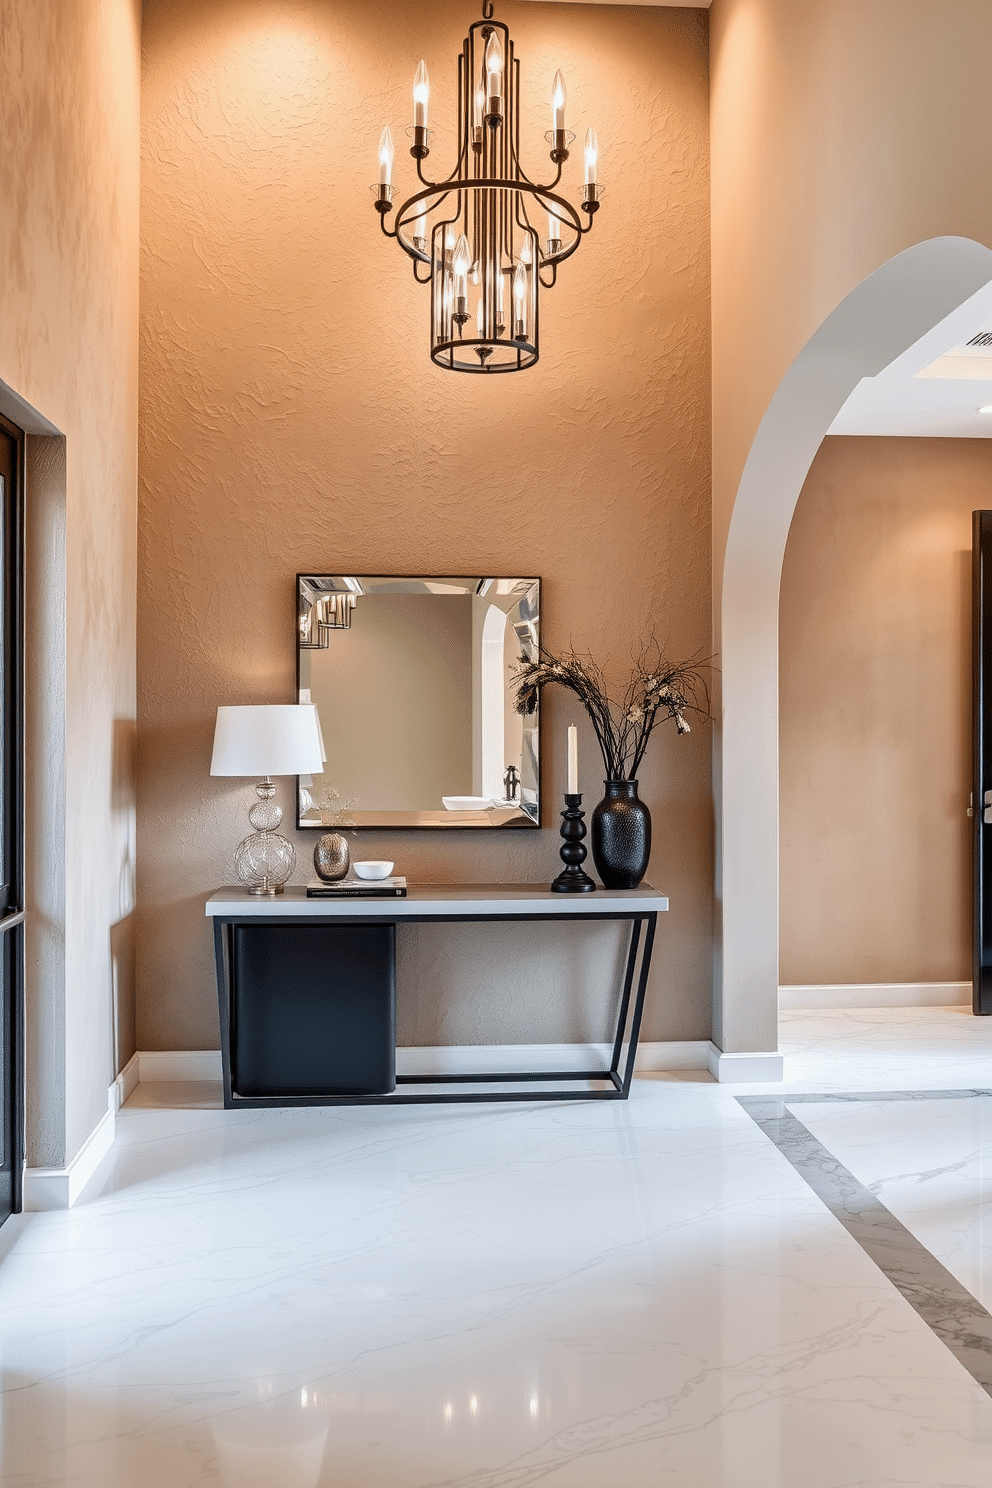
(981, 779)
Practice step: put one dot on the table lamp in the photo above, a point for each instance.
(264, 740)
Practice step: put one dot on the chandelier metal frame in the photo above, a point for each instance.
(486, 199)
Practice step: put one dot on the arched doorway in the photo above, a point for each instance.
(877, 322)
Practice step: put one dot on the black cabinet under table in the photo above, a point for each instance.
(307, 995)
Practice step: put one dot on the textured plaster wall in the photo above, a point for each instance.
(69, 120)
(843, 132)
(291, 420)
(876, 710)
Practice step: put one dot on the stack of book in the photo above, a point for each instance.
(357, 888)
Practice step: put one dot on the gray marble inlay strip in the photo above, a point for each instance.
(957, 1318)
(886, 1095)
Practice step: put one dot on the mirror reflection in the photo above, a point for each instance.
(412, 679)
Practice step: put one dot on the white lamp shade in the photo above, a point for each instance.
(267, 739)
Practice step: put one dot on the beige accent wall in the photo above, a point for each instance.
(69, 115)
(875, 712)
(291, 420)
(843, 132)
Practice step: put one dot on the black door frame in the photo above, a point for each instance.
(12, 866)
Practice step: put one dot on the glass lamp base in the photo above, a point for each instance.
(263, 862)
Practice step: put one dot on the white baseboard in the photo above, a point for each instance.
(509, 1058)
(125, 1084)
(205, 1064)
(447, 1059)
(818, 998)
(179, 1064)
(690, 1054)
(744, 1069)
(59, 1188)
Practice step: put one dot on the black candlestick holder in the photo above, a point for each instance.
(573, 879)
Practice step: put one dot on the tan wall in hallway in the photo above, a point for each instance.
(843, 133)
(69, 119)
(875, 712)
(291, 420)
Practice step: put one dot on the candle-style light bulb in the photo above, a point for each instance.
(494, 65)
(480, 317)
(554, 228)
(421, 96)
(558, 102)
(461, 263)
(520, 301)
(386, 157)
(420, 226)
(592, 156)
(525, 253)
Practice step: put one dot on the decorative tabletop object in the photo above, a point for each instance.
(573, 879)
(332, 856)
(266, 740)
(658, 688)
(373, 868)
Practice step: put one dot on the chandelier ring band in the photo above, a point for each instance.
(555, 206)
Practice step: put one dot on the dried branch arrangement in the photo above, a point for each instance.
(657, 689)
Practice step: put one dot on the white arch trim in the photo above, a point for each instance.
(893, 308)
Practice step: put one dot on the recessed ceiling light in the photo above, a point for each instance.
(986, 409)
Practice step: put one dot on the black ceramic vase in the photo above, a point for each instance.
(621, 836)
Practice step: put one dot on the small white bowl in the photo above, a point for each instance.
(373, 868)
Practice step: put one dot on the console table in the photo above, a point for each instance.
(306, 992)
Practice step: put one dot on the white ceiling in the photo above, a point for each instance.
(935, 388)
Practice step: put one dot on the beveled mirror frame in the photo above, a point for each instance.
(327, 603)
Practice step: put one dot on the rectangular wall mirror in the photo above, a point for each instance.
(413, 683)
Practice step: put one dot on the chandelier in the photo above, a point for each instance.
(474, 235)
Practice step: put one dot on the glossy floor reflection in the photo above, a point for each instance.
(643, 1294)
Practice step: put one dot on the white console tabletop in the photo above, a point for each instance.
(468, 900)
(282, 1008)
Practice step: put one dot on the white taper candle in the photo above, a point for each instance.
(573, 760)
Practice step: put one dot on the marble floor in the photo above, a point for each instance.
(675, 1290)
